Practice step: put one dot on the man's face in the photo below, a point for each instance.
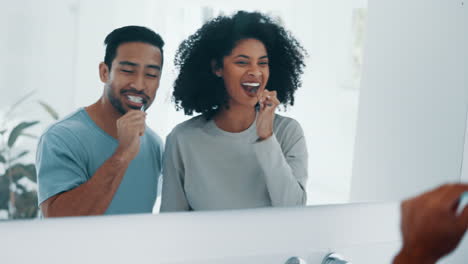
(134, 76)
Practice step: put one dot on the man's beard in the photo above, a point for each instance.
(114, 100)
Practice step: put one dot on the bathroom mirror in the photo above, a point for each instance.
(52, 50)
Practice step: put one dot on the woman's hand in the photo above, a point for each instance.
(268, 103)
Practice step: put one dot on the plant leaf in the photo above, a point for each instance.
(16, 132)
(49, 110)
(29, 135)
(4, 192)
(2, 159)
(20, 155)
(28, 170)
(21, 187)
(17, 103)
(3, 132)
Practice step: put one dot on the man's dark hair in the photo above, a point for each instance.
(197, 89)
(130, 34)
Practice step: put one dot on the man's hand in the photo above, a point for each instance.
(430, 226)
(268, 103)
(129, 129)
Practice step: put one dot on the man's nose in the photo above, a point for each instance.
(138, 83)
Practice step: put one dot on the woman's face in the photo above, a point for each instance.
(245, 72)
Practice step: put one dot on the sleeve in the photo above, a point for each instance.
(173, 196)
(285, 168)
(59, 166)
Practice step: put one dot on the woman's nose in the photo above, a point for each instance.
(254, 71)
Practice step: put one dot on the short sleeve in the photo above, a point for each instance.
(60, 163)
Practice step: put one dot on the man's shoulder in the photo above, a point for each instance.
(153, 136)
(68, 128)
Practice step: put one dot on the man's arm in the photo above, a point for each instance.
(94, 196)
(430, 225)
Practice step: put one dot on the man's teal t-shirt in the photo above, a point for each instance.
(71, 150)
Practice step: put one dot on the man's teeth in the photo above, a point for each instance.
(251, 84)
(135, 99)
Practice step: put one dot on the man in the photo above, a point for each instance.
(431, 226)
(102, 159)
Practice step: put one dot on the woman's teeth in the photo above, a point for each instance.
(135, 99)
(251, 84)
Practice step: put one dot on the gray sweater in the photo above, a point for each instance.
(206, 168)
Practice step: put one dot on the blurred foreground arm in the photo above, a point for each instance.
(430, 226)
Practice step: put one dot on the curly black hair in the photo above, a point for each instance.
(198, 89)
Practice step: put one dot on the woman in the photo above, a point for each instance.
(238, 153)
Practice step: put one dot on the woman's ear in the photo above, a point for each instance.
(217, 70)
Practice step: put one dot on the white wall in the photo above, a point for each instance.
(37, 47)
(464, 170)
(414, 99)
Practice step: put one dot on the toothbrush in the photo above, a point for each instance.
(462, 202)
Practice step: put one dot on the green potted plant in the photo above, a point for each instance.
(18, 191)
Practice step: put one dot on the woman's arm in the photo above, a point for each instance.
(285, 168)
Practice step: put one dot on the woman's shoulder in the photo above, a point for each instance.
(285, 122)
(286, 126)
(189, 126)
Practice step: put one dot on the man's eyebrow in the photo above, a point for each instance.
(129, 63)
(153, 66)
(133, 64)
